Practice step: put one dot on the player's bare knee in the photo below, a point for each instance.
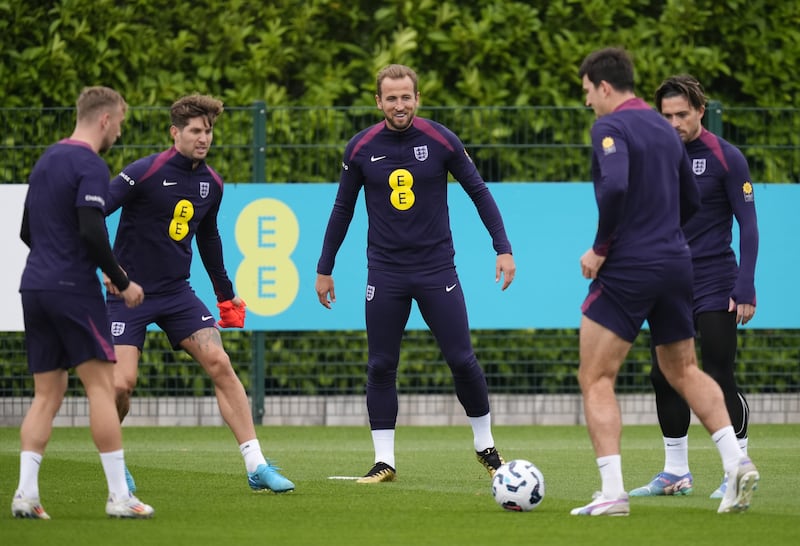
(219, 368)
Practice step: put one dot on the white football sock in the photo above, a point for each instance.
(253, 457)
(482, 432)
(383, 441)
(610, 468)
(114, 468)
(729, 449)
(29, 463)
(676, 455)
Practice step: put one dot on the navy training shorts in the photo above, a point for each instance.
(623, 296)
(179, 314)
(64, 329)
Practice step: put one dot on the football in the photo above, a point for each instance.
(518, 486)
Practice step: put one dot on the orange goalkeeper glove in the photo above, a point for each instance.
(231, 315)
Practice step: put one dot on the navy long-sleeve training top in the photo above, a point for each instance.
(644, 186)
(726, 192)
(165, 204)
(404, 175)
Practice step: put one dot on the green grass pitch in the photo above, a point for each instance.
(195, 479)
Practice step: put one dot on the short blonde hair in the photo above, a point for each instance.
(96, 99)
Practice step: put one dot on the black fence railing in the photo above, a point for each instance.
(304, 144)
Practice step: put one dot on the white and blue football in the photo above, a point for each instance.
(518, 486)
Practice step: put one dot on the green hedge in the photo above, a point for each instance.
(327, 52)
(327, 363)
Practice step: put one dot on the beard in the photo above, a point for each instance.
(406, 122)
(106, 145)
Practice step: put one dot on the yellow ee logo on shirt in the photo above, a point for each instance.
(402, 197)
(181, 214)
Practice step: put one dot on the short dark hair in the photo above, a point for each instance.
(611, 64)
(195, 106)
(682, 85)
(397, 72)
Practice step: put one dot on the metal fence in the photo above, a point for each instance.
(294, 376)
(301, 376)
(305, 144)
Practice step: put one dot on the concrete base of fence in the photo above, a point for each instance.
(427, 410)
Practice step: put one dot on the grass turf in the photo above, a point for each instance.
(194, 477)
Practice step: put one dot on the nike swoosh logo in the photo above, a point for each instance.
(206, 317)
(449, 288)
(165, 183)
(376, 158)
